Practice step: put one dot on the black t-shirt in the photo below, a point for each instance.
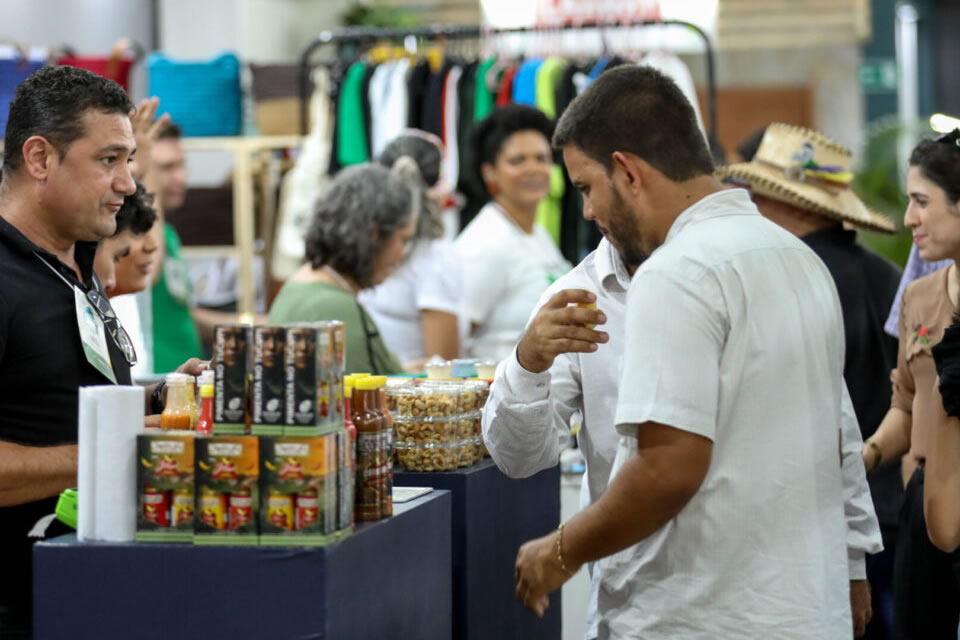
(867, 285)
(42, 366)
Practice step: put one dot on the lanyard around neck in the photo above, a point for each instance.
(57, 273)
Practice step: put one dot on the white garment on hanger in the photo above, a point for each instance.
(389, 103)
(303, 184)
(674, 68)
(451, 110)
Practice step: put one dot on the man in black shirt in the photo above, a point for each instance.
(68, 144)
(800, 180)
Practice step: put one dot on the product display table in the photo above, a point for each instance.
(390, 579)
(492, 516)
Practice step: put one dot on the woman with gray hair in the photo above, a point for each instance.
(418, 307)
(360, 230)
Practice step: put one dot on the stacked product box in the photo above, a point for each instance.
(299, 490)
(310, 380)
(165, 487)
(232, 365)
(269, 381)
(228, 473)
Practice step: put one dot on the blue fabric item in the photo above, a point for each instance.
(599, 67)
(916, 268)
(13, 70)
(203, 97)
(525, 82)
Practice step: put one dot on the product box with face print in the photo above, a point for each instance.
(228, 490)
(298, 490)
(165, 487)
(232, 363)
(308, 389)
(338, 372)
(269, 380)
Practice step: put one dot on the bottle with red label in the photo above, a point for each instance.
(349, 427)
(205, 421)
(241, 508)
(368, 422)
(156, 505)
(386, 448)
(308, 508)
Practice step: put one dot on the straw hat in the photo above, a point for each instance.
(808, 170)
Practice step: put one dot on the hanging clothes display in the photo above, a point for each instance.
(446, 93)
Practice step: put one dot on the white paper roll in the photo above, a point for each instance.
(86, 464)
(118, 418)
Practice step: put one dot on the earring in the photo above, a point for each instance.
(492, 188)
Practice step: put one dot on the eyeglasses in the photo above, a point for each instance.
(120, 336)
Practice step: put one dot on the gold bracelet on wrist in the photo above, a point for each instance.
(876, 449)
(559, 545)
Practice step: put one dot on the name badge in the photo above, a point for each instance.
(93, 336)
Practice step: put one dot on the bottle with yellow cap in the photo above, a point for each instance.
(368, 423)
(386, 447)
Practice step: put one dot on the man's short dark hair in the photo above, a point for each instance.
(51, 103)
(488, 135)
(641, 111)
(137, 213)
(170, 132)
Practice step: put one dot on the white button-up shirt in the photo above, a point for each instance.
(526, 420)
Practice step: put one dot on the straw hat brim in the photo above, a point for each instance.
(843, 204)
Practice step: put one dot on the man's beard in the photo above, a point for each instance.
(635, 247)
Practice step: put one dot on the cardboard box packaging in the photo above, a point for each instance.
(228, 490)
(165, 487)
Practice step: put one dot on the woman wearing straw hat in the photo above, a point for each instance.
(927, 597)
(799, 179)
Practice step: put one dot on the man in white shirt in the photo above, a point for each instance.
(724, 516)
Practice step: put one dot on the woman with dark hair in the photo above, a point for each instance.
(417, 308)
(926, 592)
(361, 226)
(509, 260)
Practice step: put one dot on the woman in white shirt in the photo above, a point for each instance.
(417, 307)
(509, 260)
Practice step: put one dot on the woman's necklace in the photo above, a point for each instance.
(340, 280)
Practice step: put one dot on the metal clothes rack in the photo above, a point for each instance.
(359, 35)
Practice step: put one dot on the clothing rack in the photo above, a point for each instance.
(359, 35)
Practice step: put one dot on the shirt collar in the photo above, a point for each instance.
(611, 272)
(83, 252)
(722, 203)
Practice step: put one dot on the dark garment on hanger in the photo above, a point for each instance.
(416, 90)
(432, 109)
(571, 219)
(337, 73)
(505, 94)
(566, 91)
(367, 109)
(466, 91)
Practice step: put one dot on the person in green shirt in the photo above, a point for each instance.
(360, 231)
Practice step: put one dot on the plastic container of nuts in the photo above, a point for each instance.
(426, 430)
(438, 399)
(474, 395)
(401, 399)
(428, 457)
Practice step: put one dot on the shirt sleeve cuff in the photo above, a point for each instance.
(857, 562)
(526, 385)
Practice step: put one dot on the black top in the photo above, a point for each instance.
(42, 366)
(867, 285)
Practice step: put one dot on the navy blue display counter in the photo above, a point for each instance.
(390, 579)
(492, 516)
